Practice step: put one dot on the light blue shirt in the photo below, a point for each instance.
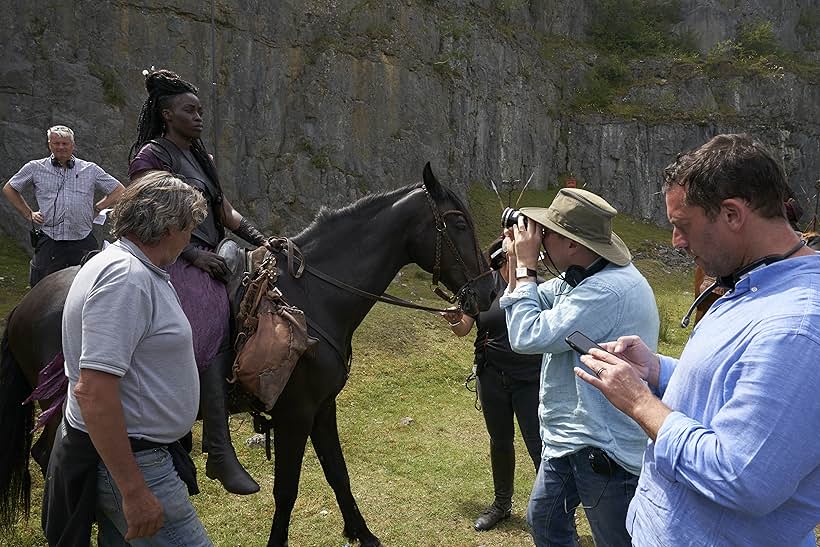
(738, 462)
(614, 302)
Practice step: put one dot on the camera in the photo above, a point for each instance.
(510, 217)
(35, 234)
(498, 259)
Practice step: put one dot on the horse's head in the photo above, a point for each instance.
(445, 244)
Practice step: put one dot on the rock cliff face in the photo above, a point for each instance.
(318, 102)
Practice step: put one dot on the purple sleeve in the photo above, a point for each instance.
(145, 160)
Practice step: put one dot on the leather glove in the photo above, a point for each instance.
(209, 262)
(250, 233)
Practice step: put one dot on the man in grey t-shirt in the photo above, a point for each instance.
(133, 382)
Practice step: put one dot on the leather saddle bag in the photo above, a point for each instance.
(272, 335)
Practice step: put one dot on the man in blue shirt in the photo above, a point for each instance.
(591, 452)
(735, 456)
(64, 187)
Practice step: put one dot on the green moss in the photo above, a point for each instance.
(757, 38)
(456, 27)
(637, 27)
(113, 93)
(320, 160)
(506, 6)
(378, 30)
(449, 64)
(808, 27)
(608, 76)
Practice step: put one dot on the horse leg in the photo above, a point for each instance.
(325, 438)
(289, 439)
(41, 451)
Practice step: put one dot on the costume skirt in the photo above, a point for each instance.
(205, 303)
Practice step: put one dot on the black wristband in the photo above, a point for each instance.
(249, 232)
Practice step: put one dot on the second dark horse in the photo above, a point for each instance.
(364, 245)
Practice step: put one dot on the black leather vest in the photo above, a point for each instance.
(211, 231)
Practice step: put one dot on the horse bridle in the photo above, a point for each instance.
(466, 290)
(286, 246)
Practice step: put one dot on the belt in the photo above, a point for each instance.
(138, 445)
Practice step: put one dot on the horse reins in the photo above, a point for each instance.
(293, 254)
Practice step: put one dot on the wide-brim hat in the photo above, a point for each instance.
(586, 218)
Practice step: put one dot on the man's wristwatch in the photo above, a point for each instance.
(521, 272)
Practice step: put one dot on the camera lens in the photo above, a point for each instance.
(510, 217)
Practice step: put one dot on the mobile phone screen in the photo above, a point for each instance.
(581, 343)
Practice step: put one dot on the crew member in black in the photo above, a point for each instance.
(507, 384)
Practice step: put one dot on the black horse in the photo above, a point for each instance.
(363, 245)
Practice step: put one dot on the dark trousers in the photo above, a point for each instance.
(503, 397)
(51, 255)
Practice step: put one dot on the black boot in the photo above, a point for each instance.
(222, 463)
(503, 463)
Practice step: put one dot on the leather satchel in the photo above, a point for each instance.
(272, 336)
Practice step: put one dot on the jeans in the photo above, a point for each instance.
(181, 527)
(564, 483)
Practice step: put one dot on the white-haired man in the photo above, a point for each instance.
(133, 384)
(64, 188)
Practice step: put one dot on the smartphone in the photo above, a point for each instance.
(581, 343)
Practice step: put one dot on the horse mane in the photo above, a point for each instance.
(327, 216)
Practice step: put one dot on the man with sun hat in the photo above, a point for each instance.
(591, 452)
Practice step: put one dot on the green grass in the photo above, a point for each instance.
(420, 484)
(13, 276)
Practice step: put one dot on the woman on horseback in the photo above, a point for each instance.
(168, 138)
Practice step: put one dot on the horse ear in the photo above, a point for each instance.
(431, 182)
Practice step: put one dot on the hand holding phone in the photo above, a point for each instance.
(581, 343)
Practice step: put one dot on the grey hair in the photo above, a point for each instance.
(61, 131)
(154, 204)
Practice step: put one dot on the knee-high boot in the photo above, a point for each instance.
(222, 463)
(503, 464)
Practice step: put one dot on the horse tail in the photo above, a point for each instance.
(16, 423)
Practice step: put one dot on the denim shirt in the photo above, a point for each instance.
(738, 461)
(614, 302)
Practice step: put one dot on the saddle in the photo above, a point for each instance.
(271, 334)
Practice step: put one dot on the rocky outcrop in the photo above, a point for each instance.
(318, 102)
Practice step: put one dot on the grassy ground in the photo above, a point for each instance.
(420, 484)
(13, 276)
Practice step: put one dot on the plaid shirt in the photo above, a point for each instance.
(65, 196)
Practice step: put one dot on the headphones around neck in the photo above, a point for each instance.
(69, 164)
(575, 274)
(729, 281)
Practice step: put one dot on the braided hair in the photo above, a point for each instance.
(162, 86)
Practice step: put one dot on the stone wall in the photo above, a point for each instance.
(318, 102)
